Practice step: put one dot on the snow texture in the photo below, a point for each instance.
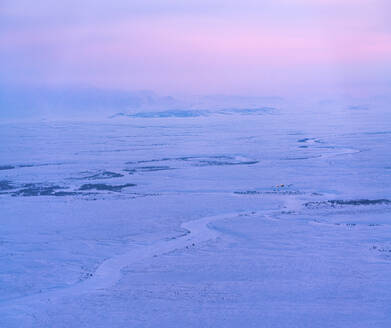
(215, 218)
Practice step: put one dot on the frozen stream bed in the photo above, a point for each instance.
(282, 220)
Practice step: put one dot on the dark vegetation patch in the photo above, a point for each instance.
(295, 158)
(218, 160)
(361, 202)
(247, 192)
(6, 185)
(164, 159)
(10, 167)
(154, 168)
(223, 163)
(284, 192)
(309, 139)
(66, 193)
(150, 161)
(304, 140)
(105, 187)
(377, 132)
(6, 167)
(381, 249)
(104, 175)
(250, 111)
(100, 175)
(273, 192)
(299, 158)
(340, 203)
(149, 169)
(39, 189)
(33, 189)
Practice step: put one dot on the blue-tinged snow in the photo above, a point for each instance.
(207, 218)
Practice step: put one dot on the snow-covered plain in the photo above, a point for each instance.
(235, 218)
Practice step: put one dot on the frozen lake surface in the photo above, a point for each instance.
(253, 218)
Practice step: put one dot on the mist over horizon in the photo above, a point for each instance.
(57, 55)
(91, 103)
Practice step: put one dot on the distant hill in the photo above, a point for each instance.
(94, 103)
(20, 103)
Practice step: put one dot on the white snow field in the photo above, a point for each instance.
(237, 218)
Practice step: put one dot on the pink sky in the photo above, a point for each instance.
(198, 47)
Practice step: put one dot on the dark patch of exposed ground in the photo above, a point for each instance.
(149, 169)
(37, 189)
(6, 167)
(105, 187)
(103, 175)
(217, 160)
(273, 192)
(340, 203)
(6, 185)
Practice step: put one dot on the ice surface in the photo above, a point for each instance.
(256, 218)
